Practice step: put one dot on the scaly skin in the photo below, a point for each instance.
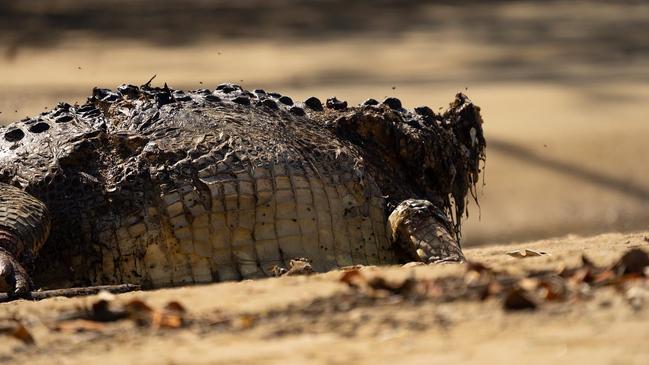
(161, 187)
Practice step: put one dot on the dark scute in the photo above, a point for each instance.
(39, 127)
(296, 110)
(260, 91)
(271, 104)
(227, 88)
(111, 98)
(181, 96)
(334, 103)
(414, 123)
(313, 103)
(129, 91)
(164, 98)
(88, 107)
(105, 95)
(370, 102)
(213, 98)
(63, 106)
(275, 95)
(425, 111)
(393, 103)
(243, 100)
(66, 118)
(14, 134)
(286, 100)
(88, 110)
(100, 93)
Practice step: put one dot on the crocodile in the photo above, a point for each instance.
(162, 187)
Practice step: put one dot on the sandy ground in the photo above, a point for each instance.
(602, 329)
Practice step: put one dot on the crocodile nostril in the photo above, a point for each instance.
(14, 134)
(39, 127)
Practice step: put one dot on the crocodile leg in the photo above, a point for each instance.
(16, 279)
(24, 226)
(423, 233)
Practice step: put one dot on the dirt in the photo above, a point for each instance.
(323, 320)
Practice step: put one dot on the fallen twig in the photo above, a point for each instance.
(71, 292)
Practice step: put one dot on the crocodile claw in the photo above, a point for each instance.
(418, 228)
(14, 275)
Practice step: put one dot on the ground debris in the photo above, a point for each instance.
(518, 299)
(298, 266)
(637, 296)
(516, 291)
(635, 261)
(16, 329)
(525, 253)
(104, 310)
(345, 312)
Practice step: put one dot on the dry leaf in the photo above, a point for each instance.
(80, 325)
(170, 317)
(245, 321)
(137, 305)
(406, 287)
(16, 330)
(525, 253)
(278, 270)
(633, 262)
(352, 278)
(23, 334)
(604, 277)
(161, 319)
(528, 284)
(299, 266)
(637, 296)
(413, 264)
(518, 299)
(101, 311)
(477, 266)
(552, 290)
(175, 307)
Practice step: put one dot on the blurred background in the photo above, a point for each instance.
(563, 86)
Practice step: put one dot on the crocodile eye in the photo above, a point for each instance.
(14, 134)
(39, 127)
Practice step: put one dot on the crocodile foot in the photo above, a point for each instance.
(423, 233)
(14, 275)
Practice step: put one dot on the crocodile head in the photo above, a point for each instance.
(438, 156)
(55, 152)
(57, 157)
